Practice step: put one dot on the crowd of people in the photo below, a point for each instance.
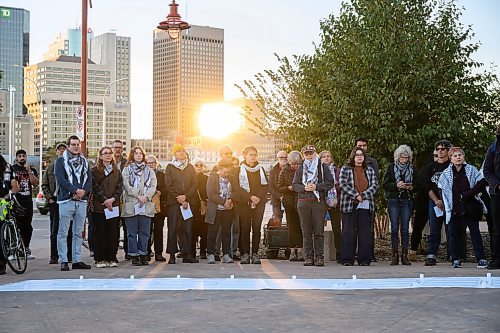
(220, 212)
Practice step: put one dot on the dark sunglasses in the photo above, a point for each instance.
(198, 165)
(441, 148)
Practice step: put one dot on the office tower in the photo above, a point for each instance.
(187, 72)
(14, 51)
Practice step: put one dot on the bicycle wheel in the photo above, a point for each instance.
(13, 248)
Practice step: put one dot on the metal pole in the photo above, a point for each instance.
(83, 90)
(12, 90)
(104, 110)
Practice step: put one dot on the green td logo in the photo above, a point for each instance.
(4, 13)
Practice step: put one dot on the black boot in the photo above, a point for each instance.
(188, 258)
(145, 260)
(136, 261)
(404, 258)
(395, 258)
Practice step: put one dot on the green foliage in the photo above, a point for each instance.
(394, 71)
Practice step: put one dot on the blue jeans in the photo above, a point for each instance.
(435, 225)
(399, 210)
(75, 211)
(138, 232)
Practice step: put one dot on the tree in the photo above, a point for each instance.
(395, 71)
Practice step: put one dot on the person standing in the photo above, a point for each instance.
(160, 201)
(74, 183)
(460, 184)
(252, 186)
(139, 184)
(332, 202)
(359, 184)
(289, 199)
(27, 177)
(107, 189)
(200, 228)
(312, 181)
(398, 188)
(220, 209)
(430, 176)
(121, 161)
(7, 183)
(282, 161)
(491, 170)
(181, 186)
(49, 191)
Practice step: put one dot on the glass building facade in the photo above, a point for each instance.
(14, 52)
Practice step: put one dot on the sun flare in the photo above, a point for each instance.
(219, 120)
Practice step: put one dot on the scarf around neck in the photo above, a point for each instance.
(179, 164)
(76, 167)
(108, 169)
(403, 172)
(331, 194)
(244, 168)
(310, 173)
(135, 171)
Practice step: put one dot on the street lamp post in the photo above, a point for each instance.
(40, 105)
(104, 109)
(11, 90)
(174, 25)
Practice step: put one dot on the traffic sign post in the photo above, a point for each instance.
(80, 122)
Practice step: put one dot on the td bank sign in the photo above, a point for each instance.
(4, 13)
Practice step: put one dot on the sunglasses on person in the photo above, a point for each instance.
(199, 165)
(441, 148)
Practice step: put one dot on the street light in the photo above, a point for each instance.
(104, 110)
(174, 25)
(11, 89)
(40, 105)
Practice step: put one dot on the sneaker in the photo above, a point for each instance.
(227, 259)
(430, 262)
(364, 263)
(29, 255)
(456, 264)
(255, 259)
(293, 255)
(64, 267)
(53, 261)
(309, 261)
(112, 264)
(101, 264)
(145, 260)
(319, 262)
(348, 263)
(300, 254)
(210, 259)
(245, 259)
(482, 263)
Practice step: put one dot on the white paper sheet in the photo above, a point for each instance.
(438, 211)
(186, 213)
(112, 213)
(138, 209)
(365, 204)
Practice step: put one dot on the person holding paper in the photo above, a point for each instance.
(220, 212)
(182, 196)
(358, 182)
(460, 185)
(430, 175)
(107, 188)
(312, 181)
(139, 184)
(399, 189)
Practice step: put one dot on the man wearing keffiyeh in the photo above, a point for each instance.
(74, 183)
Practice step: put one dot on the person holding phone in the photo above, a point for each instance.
(398, 186)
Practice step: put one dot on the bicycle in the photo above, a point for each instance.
(11, 242)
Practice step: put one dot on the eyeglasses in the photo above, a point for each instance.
(107, 153)
(326, 156)
(404, 157)
(359, 155)
(308, 153)
(282, 158)
(151, 162)
(199, 165)
(441, 148)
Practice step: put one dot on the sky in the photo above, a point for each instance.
(253, 32)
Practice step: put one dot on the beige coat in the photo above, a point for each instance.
(131, 193)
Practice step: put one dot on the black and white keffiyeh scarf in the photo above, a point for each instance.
(403, 172)
(244, 183)
(310, 173)
(76, 167)
(180, 164)
(135, 171)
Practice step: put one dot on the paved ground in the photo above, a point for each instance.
(439, 310)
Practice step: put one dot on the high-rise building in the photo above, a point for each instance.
(14, 51)
(187, 72)
(68, 43)
(59, 83)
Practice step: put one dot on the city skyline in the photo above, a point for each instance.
(253, 33)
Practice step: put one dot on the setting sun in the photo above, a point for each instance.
(218, 120)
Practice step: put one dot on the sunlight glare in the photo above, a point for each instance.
(219, 120)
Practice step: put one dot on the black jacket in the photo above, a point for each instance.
(178, 182)
(324, 184)
(285, 179)
(273, 185)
